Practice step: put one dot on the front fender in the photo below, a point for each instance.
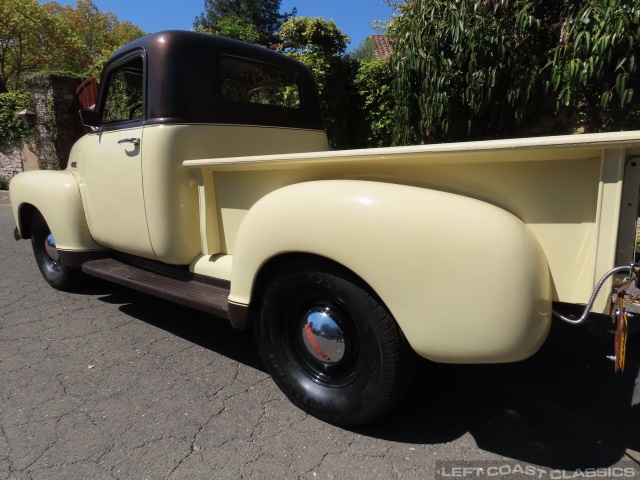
(57, 196)
(466, 281)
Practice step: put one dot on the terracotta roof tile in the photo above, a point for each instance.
(382, 46)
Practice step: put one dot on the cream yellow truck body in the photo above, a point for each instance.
(466, 245)
(520, 222)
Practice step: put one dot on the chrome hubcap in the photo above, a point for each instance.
(50, 248)
(322, 335)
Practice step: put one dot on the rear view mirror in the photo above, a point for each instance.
(89, 118)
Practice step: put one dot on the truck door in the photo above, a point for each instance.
(113, 163)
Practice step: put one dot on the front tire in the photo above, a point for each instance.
(56, 274)
(331, 345)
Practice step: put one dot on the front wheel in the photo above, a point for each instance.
(56, 274)
(331, 346)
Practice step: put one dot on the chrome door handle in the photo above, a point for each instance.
(135, 141)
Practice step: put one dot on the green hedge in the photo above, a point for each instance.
(373, 82)
(471, 70)
(12, 130)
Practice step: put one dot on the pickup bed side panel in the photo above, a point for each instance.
(57, 196)
(466, 280)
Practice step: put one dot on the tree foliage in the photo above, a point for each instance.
(36, 37)
(321, 45)
(234, 27)
(314, 36)
(373, 84)
(32, 39)
(491, 68)
(364, 51)
(100, 33)
(594, 64)
(248, 20)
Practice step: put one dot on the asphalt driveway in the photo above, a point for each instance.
(109, 383)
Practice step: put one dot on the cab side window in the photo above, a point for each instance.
(123, 100)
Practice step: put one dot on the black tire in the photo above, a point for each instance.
(366, 375)
(56, 274)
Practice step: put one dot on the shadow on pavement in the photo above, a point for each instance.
(564, 408)
(208, 331)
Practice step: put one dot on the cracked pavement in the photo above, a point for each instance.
(107, 383)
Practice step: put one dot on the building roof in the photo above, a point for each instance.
(382, 46)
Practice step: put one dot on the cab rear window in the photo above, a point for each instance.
(256, 83)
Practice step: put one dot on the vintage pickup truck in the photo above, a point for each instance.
(208, 180)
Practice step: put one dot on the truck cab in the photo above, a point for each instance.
(176, 96)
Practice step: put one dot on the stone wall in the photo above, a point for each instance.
(10, 161)
(16, 159)
(57, 125)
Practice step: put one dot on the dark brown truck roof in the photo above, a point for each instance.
(182, 83)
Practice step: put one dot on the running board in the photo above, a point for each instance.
(195, 291)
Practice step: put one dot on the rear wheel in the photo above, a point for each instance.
(331, 345)
(56, 274)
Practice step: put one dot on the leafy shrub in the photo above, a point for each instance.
(477, 69)
(355, 90)
(12, 130)
(321, 45)
(364, 51)
(373, 82)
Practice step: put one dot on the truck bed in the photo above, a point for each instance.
(567, 189)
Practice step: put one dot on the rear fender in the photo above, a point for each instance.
(57, 196)
(466, 280)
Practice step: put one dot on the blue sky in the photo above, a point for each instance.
(354, 17)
